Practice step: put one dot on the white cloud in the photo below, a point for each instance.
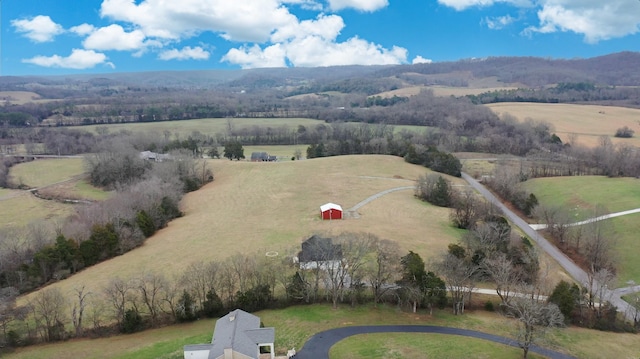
(83, 30)
(311, 43)
(313, 51)
(38, 29)
(326, 27)
(421, 60)
(239, 20)
(254, 56)
(78, 60)
(311, 5)
(500, 22)
(465, 4)
(187, 53)
(114, 37)
(595, 20)
(362, 5)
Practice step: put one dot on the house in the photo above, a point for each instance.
(152, 156)
(262, 157)
(330, 211)
(319, 252)
(237, 335)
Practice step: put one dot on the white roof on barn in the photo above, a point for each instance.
(328, 206)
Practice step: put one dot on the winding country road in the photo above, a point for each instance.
(318, 346)
(572, 269)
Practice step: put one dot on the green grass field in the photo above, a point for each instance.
(46, 172)
(295, 325)
(582, 194)
(588, 122)
(392, 345)
(208, 126)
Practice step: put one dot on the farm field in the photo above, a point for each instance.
(582, 194)
(441, 91)
(44, 172)
(274, 207)
(20, 97)
(588, 122)
(294, 325)
(19, 208)
(207, 126)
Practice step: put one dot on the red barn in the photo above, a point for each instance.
(331, 211)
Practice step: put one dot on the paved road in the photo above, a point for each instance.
(317, 347)
(574, 271)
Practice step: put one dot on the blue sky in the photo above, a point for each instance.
(98, 36)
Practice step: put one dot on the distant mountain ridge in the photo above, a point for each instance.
(617, 69)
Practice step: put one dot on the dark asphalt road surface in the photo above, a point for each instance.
(317, 347)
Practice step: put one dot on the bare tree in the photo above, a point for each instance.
(384, 270)
(78, 308)
(7, 308)
(534, 316)
(117, 293)
(347, 271)
(598, 250)
(465, 209)
(460, 277)
(504, 274)
(557, 220)
(48, 309)
(200, 278)
(150, 287)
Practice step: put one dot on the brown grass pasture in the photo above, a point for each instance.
(19, 97)
(19, 208)
(588, 122)
(259, 207)
(442, 91)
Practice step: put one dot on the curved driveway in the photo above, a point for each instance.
(317, 347)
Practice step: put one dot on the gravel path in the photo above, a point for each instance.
(317, 347)
(378, 195)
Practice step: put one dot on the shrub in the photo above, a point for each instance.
(132, 321)
(624, 132)
(488, 306)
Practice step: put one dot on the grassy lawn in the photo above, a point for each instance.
(394, 345)
(589, 122)
(295, 325)
(45, 172)
(581, 194)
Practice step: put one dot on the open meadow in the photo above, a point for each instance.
(208, 126)
(581, 195)
(294, 325)
(260, 207)
(588, 122)
(45, 172)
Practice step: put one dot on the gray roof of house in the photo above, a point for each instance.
(240, 331)
(317, 248)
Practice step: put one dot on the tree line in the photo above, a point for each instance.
(147, 196)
